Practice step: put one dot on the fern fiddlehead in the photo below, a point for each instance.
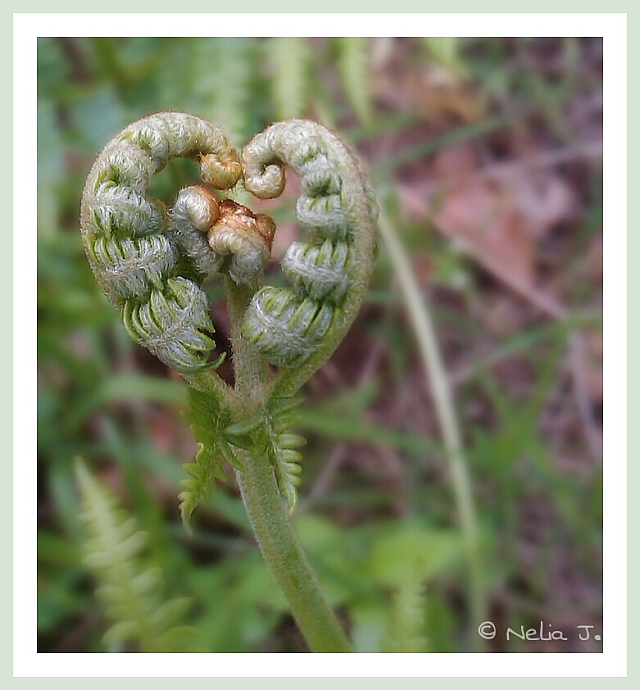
(151, 262)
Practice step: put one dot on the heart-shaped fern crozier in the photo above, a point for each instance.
(151, 261)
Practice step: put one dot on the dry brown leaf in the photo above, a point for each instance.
(432, 89)
(544, 200)
(458, 161)
(489, 226)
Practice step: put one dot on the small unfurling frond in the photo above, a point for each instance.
(266, 434)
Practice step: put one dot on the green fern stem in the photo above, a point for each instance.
(286, 560)
(251, 370)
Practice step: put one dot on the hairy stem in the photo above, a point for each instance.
(251, 371)
(286, 560)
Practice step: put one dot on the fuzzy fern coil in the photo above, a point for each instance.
(339, 211)
(151, 261)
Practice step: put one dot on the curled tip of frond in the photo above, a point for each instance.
(244, 237)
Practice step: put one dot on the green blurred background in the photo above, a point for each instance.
(486, 154)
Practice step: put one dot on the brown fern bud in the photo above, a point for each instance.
(245, 237)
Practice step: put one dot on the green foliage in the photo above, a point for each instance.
(446, 50)
(222, 71)
(434, 549)
(133, 592)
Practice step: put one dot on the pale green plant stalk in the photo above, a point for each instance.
(434, 366)
(151, 262)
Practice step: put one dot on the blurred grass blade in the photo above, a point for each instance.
(457, 136)
(346, 428)
(289, 58)
(437, 376)
(353, 63)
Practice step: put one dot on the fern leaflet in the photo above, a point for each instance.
(266, 434)
(407, 618)
(207, 421)
(223, 71)
(353, 63)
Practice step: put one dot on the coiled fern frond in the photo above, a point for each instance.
(133, 593)
(144, 262)
(151, 262)
(289, 325)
